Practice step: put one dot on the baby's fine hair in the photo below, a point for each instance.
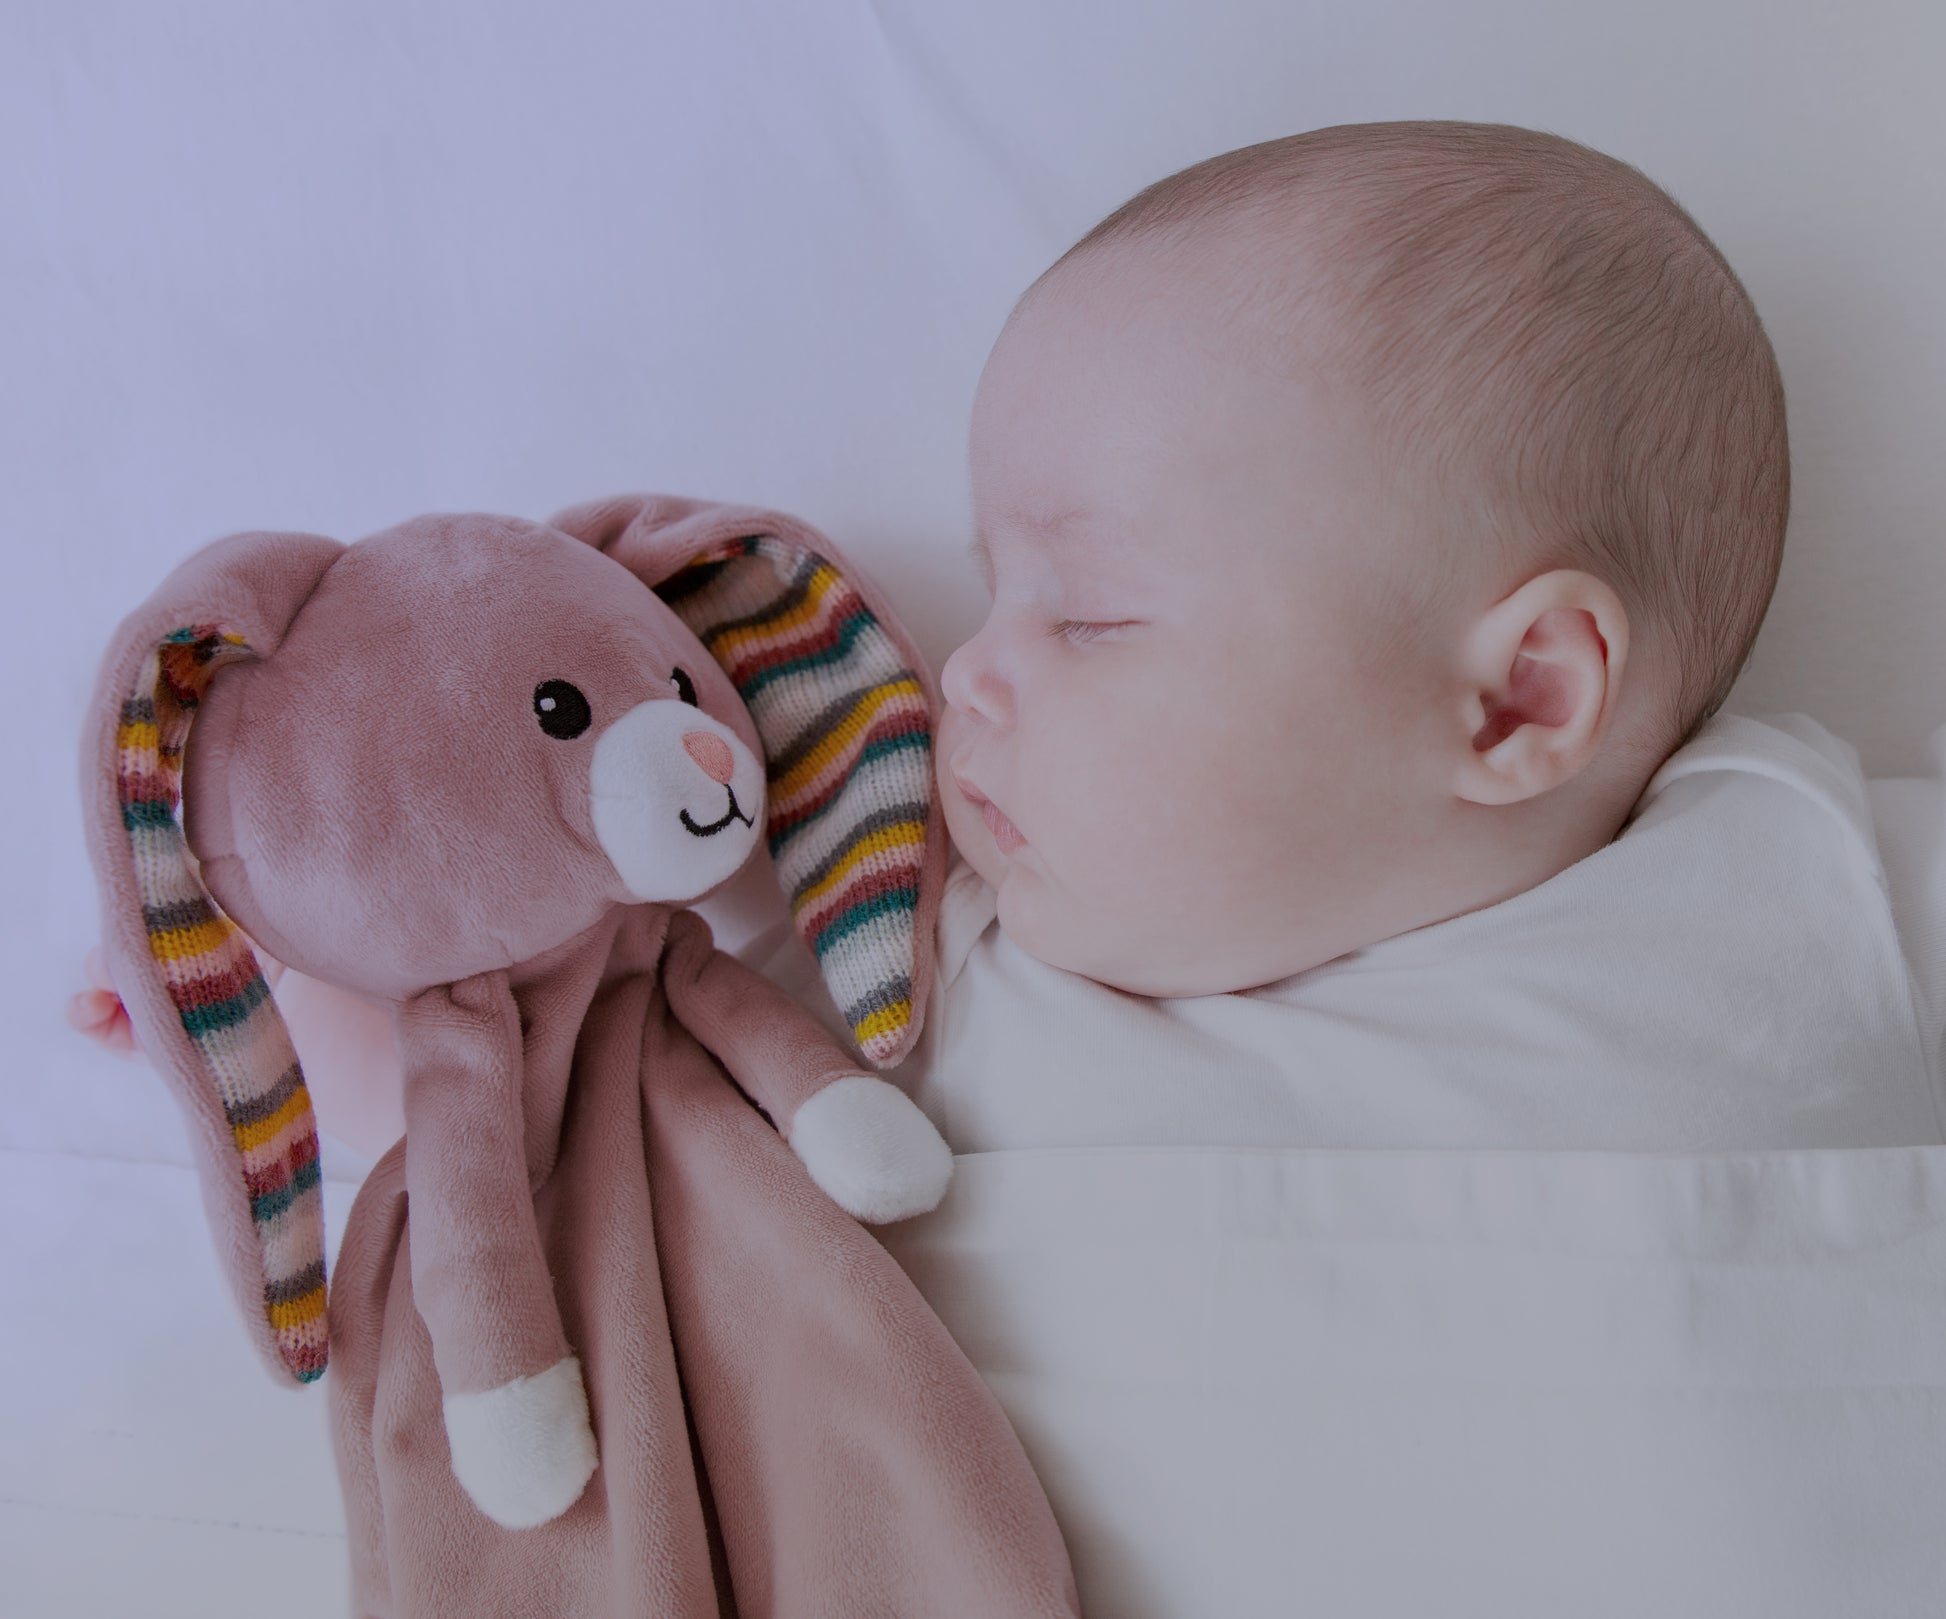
(1552, 345)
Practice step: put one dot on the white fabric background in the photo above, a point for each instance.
(323, 266)
(1389, 1384)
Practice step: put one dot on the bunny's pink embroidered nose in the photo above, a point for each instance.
(711, 752)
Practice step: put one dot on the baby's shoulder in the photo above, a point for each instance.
(1792, 749)
(1909, 814)
(1895, 827)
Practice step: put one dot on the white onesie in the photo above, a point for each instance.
(1733, 972)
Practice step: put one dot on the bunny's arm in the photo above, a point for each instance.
(863, 1140)
(515, 1407)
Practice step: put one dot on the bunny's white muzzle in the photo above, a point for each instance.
(664, 812)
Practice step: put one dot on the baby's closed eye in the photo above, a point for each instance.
(1077, 630)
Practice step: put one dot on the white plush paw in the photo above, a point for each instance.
(871, 1149)
(524, 1451)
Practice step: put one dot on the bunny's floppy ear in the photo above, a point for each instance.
(844, 707)
(189, 978)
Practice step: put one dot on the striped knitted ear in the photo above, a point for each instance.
(846, 728)
(233, 1045)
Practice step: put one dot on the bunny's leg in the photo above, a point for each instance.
(516, 1408)
(863, 1140)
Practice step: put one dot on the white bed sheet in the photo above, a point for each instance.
(1514, 1385)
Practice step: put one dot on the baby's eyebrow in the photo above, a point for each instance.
(1070, 522)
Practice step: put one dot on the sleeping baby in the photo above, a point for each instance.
(1375, 521)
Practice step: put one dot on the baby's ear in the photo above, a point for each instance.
(188, 978)
(844, 707)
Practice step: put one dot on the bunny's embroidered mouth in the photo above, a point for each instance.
(734, 814)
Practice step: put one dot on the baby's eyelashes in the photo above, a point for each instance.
(1077, 630)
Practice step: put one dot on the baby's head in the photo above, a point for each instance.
(1367, 514)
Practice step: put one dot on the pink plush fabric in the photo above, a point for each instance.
(442, 767)
(851, 1465)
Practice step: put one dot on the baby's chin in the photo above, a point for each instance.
(1119, 950)
(1038, 917)
(1043, 919)
(974, 843)
(1050, 927)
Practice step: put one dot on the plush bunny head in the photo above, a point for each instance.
(460, 741)
(449, 748)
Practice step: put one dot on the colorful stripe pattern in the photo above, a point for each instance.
(220, 994)
(847, 737)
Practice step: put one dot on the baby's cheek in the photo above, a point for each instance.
(1195, 816)
(1136, 811)
(1161, 764)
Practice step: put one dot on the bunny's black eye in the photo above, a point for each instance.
(685, 688)
(561, 709)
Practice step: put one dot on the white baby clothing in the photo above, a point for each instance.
(1743, 967)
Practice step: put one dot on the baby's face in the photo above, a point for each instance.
(1196, 778)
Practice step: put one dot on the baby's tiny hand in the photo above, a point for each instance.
(98, 1011)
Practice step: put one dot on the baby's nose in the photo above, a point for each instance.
(970, 685)
(711, 752)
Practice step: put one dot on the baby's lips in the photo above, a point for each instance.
(972, 794)
(1006, 835)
